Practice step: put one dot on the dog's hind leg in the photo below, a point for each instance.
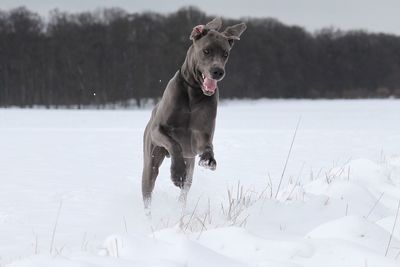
(188, 181)
(153, 157)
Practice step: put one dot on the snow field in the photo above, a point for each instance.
(336, 206)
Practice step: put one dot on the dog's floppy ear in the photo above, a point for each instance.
(198, 32)
(234, 32)
(201, 30)
(215, 24)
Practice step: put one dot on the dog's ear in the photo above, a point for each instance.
(201, 30)
(198, 32)
(233, 32)
(215, 24)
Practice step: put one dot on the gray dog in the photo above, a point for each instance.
(182, 123)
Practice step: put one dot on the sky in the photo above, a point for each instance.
(370, 15)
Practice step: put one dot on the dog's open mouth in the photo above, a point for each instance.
(209, 85)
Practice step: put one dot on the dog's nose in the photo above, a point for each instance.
(217, 73)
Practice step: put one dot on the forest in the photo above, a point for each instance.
(110, 56)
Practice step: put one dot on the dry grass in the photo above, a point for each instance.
(287, 158)
(394, 226)
(52, 244)
(234, 211)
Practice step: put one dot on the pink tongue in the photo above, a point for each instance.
(210, 84)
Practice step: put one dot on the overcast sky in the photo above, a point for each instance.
(371, 15)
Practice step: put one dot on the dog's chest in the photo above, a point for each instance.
(189, 125)
(188, 121)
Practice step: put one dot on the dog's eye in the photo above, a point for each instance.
(226, 54)
(206, 51)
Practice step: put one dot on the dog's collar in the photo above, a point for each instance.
(186, 82)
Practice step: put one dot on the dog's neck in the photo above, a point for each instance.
(188, 70)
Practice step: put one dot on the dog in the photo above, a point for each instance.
(182, 123)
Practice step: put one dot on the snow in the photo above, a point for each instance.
(336, 206)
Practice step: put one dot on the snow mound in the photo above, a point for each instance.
(179, 251)
(355, 229)
(47, 261)
(387, 224)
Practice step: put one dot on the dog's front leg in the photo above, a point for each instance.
(205, 149)
(178, 167)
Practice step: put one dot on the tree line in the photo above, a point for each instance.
(111, 56)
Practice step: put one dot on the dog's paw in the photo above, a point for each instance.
(178, 172)
(208, 162)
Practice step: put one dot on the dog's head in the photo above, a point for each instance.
(211, 50)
